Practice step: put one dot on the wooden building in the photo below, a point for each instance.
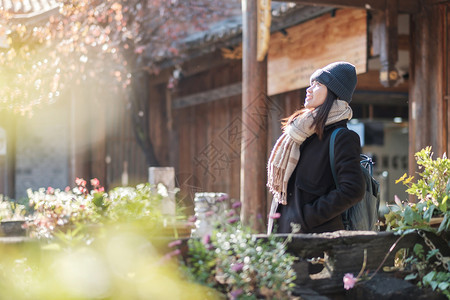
(217, 126)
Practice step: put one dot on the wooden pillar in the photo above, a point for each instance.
(254, 124)
(446, 64)
(428, 121)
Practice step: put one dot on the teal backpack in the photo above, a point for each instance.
(364, 214)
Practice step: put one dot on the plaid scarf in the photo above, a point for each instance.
(286, 152)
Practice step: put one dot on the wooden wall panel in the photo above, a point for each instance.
(293, 57)
(122, 151)
(208, 162)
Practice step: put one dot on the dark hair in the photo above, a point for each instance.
(321, 116)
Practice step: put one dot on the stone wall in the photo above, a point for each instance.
(42, 149)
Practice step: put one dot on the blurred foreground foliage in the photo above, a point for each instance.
(85, 243)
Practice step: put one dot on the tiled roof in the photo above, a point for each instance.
(228, 32)
(28, 7)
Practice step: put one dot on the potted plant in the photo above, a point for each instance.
(432, 190)
(12, 217)
(425, 264)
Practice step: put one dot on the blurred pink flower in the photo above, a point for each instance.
(209, 213)
(349, 281)
(95, 182)
(222, 198)
(206, 239)
(175, 253)
(275, 216)
(139, 49)
(169, 255)
(80, 182)
(99, 190)
(236, 204)
(236, 293)
(233, 220)
(174, 243)
(231, 213)
(237, 267)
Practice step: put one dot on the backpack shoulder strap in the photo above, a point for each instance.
(332, 140)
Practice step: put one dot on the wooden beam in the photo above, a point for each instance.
(404, 6)
(374, 94)
(227, 91)
(254, 123)
(192, 67)
(369, 81)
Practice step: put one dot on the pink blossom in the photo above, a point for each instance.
(50, 190)
(222, 198)
(80, 182)
(139, 49)
(206, 239)
(275, 216)
(231, 213)
(174, 243)
(237, 267)
(192, 219)
(236, 204)
(233, 220)
(67, 189)
(349, 281)
(95, 182)
(236, 293)
(169, 255)
(99, 190)
(175, 252)
(209, 213)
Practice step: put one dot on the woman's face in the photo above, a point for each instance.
(315, 95)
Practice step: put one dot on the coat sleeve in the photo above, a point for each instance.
(351, 183)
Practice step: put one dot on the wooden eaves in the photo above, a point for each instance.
(404, 6)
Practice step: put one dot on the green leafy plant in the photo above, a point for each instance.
(56, 212)
(10, 210)
(240, 264)
(432, 190)
(426, 272)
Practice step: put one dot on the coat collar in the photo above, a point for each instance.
(331, 127)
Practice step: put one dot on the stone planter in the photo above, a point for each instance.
(12, 228)
(208, 209)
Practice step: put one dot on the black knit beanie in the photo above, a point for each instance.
(339, 77)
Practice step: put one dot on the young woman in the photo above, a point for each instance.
(299, 171)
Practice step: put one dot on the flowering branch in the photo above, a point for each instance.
(350, 281)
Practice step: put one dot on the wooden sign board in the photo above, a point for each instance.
(294, 56)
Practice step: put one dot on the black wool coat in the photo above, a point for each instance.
(312, 198)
